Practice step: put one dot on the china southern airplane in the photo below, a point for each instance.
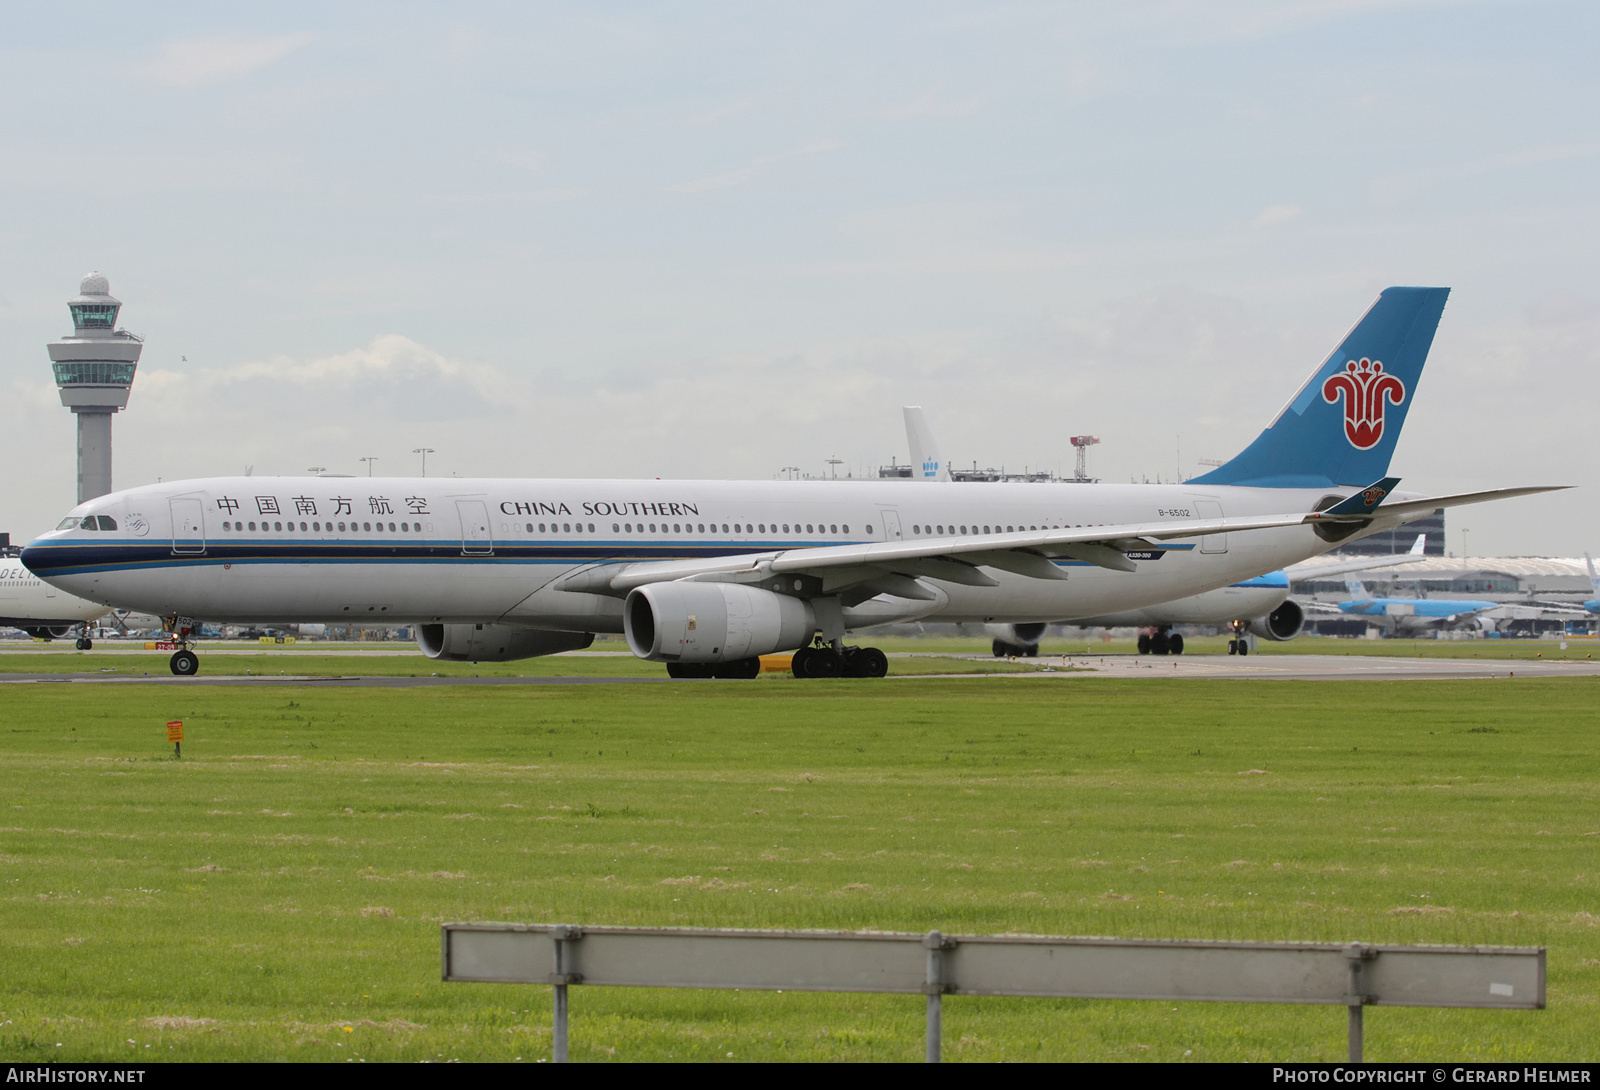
(1259, 606)
(706, 576)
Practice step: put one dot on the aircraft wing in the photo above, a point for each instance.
(894, 566)
(956, 560)
(1433, 503)
(1313, 569)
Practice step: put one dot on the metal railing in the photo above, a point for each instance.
(1352, 975)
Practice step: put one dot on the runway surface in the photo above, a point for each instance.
(1082, 668)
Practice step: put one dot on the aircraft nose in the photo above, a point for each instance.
(41, 559)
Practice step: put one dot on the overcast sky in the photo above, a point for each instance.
(685, 240)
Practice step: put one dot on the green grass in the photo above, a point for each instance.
(287, 878)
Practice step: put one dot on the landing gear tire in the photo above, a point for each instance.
(1175, 644)
(185, 663)
(687, 671)
(739, 669)
(1144, 643)
(1031, 651)
(1244, 648)
(1160, 644)
(866, 662)
(817, 662)
(84, 643)
(1001, 649)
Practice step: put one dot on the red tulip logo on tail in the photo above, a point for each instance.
(1365, 387)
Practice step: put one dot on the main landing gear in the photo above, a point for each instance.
(1163, 641)
(824, 661)
(84, 642)
(184, 662)
(1004, 650)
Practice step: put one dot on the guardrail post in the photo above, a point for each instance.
(564, 935)
(935, 988)
(1356, 954)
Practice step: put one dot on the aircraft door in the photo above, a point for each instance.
(1211, 543)
(891, 523)
(475, 537)
(188, 527)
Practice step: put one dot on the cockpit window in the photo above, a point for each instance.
(88, 523)
(69, 523)
(106, 522)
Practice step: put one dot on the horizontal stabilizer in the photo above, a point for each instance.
(1433, 503)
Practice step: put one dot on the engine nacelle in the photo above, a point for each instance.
(51, 632)
(1021, 635)
(713, 622)
(1283, 623)
(495, 642)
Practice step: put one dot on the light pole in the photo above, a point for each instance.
(424, 451)
(369, 462)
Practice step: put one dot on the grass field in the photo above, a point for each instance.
(277, 893)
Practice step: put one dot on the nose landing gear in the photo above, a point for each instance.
(184, 662)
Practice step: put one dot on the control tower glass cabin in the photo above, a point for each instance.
(94, 370)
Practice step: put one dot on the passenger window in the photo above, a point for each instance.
(615, 529)
(391, 527)
(833, 528)
(869, 527)
(252, 526)
(591, 527)
(225, 526)
(541, 527)
(847, 527)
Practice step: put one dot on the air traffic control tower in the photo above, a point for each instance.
(94, 370)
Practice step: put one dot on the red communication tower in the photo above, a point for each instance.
(1083, 443)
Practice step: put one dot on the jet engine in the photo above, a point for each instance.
(1016, 639)
(52, 632)
(713, 622)
(495, 642)
(1283, 623)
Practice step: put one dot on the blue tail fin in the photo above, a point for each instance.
(1340, 429)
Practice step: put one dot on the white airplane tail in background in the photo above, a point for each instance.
(927, 462)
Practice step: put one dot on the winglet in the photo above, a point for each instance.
(1364, 502)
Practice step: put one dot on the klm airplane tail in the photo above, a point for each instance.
(1340, 429)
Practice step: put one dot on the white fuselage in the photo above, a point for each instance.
(26, 599)
(401, 550)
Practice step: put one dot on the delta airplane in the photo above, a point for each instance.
(40, 609)
(706, 576)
